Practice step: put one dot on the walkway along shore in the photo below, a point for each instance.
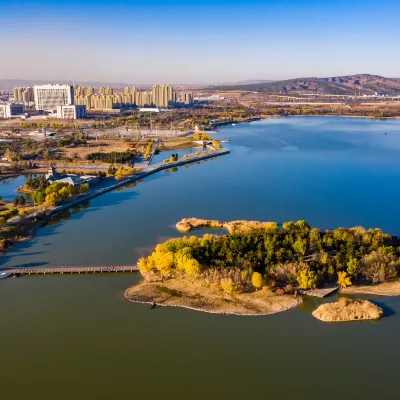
(147, 171)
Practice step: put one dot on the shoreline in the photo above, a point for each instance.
(391, 289)
(209, 311)
(198, 296)
(98, 192)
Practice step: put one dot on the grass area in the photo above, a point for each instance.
(197, 295)
(102, 146)
(178, 143)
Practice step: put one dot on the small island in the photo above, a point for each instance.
(259, 268)
(348, 310)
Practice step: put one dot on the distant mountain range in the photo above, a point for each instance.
(249, 82)
(362, 83)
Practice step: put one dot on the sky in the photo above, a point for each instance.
(176, 41)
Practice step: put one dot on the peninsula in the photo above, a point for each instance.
(258, 268)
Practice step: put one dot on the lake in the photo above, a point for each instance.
(76, 337)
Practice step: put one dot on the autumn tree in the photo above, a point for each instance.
(256, 280)
(307, 279)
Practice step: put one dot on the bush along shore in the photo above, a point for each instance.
(216, 273)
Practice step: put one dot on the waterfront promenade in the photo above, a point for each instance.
(146, 171)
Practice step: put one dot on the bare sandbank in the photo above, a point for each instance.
(346, 310)
(195, 295)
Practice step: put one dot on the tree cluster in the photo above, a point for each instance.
(110, 158)
(55, 193)
(294, 255)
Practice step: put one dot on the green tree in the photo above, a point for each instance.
(300, 246)
(352, 267)
(84, 188)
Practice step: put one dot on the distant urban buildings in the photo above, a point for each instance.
(23, 95)
(71, 111)
(73, 101)
(48, 97)
(160, 96)
(11, 110)
(183, 97)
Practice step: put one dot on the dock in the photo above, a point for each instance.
(319, 292)
(77, 269)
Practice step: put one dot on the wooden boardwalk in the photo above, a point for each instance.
(79, 269)
(319, 292)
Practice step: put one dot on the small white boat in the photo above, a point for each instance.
(233, 124)
(4, 275)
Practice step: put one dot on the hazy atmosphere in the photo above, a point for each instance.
(181, 42)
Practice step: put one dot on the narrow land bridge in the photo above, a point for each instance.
(80, 269)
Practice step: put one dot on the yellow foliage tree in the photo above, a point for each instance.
(52, 199)
(343, 279)
(307, 279)
(256, 280)
(192, 267)
(164, 262)
(144, 265)
(64, 193)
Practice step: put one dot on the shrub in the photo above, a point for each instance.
(227, 285)
(380, 265)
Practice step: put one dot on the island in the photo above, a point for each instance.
(260, 268)
(348, 310)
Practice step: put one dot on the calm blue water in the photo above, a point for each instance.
(160, 157)
(8, 187)
(76, 337)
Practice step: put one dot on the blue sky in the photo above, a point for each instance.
(197, 42)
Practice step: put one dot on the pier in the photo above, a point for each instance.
(79, 269)
(323, 292)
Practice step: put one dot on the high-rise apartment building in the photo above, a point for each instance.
(183, 97)
(23, 95)
(106, 90)
(48, 97)
(162, 95)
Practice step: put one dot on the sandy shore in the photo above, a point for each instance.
(381, 289)
(196, 296)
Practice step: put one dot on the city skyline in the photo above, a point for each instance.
(214, 42)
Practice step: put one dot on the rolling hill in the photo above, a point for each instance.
(347, 85)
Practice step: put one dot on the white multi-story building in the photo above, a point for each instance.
(48, 97)
(11, 110)
(71, 111)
